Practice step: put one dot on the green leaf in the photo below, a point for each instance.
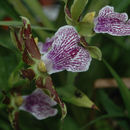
(7, 8)
(7, 64)
(87, 24)
(112, 109)
(10, 23)
(36, 8)
(22, 10)
(19, 24)
(4, 125)
(77, 8)
(101, 118)
(122, 87)
(71, 77)
(110, 106)
(69, 124)
(15, 79)
(5, 41)
(74, 96)
(95, 52)
(85, 29)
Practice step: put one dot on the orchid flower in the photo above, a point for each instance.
(62, 52)
(111, 22)
(39, 104)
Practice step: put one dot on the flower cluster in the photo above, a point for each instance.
(61, 52)
(66, 50)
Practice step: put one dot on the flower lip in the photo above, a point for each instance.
(39, 105)
(111, 22)
(65, 53)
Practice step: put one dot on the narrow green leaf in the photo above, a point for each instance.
(36, 8)
(19, 24)
(101, 118)
(110, 106)
(77, 8)
(122, 87)
(4, 5)
(10, 23)
(23, 11)
(50, 30)
(95, 52)
(73, 95)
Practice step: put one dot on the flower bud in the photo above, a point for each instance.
(42, 67)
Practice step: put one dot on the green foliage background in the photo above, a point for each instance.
(114, 103)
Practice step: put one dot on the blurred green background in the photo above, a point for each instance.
(113, 102)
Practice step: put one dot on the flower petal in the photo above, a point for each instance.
(65, 53)
(44, 47)
(112, 22)
(39, 104)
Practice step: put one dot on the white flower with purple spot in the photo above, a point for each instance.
(62, 52)
(111, 22)
(39, 105)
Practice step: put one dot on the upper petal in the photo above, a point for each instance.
(44, 47)
(65, 53)
(105, 11)
(112, 22)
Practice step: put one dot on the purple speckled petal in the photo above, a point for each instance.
(65, 53)
(39, 104)
(112, 22)
(44, 47)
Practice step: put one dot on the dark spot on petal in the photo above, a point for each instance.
(78, 94)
